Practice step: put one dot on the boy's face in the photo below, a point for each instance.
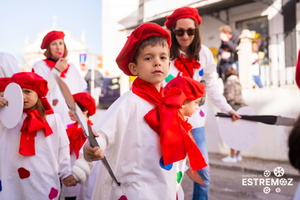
(152, 64)
(190, 107)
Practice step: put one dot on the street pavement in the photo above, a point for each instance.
(248, 166)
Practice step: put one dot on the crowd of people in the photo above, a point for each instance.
(152, 135)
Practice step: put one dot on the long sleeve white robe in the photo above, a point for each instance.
(50, 164)
(133, 150)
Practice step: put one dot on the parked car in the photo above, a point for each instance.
(110, 91)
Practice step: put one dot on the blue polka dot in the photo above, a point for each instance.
(166, 167)
(201, 72)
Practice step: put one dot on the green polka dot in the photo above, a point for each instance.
(169, 77)
(179, 176)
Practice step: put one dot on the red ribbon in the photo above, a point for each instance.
(51, 64)
(76, 137)
(186, 66)
(166, 120)
(32, 123)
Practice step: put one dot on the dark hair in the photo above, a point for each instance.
(150, 41)
(48, 54)
(82, 108)
(293, 144)
(229, 71)
(194, 48)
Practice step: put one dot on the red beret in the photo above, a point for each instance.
(32, 81)
(191, 88)
(183, 12)
(4, 82)
(51, 36)
(298, 71)
(134, 40)
(86, 101)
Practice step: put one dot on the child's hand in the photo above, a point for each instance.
(70, 181)
(72, 116)
(3, 102)
(92, 153)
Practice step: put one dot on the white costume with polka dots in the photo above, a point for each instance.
(34, 177)
(133, 150)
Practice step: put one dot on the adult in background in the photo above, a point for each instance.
(230, 39)
(8, 65)
(195, 60)
(56, 62)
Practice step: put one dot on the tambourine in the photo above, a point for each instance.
(240, 134)
(10, 115)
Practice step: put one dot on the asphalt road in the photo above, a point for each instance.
(227, 184)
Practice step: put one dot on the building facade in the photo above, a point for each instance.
(278, 24)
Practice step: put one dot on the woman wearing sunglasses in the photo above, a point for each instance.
(195, 60)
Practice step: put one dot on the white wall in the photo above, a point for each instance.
(114, 13)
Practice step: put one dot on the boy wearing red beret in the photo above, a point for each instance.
(139, 133)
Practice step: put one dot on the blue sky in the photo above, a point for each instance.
(21, 19)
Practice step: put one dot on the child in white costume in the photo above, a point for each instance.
(77, 138)
(135, 132)
(56, 62)
(34, 155)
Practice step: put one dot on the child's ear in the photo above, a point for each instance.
(132, 68)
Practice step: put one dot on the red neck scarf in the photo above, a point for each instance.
(32, 123)
(52, 63)
(186, 66)
(76, 137)
(165, 120)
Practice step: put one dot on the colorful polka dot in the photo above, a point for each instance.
(166, 167)
(23, 173)
(201, 72)
(0, 185)
(123, 197)
(201, 113)
(179, 177)
(169, 77)
(53, 193)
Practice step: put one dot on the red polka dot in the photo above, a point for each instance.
(123, 197)
(53, 193)
(23, 173)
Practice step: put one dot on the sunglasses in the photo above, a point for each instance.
(180, 32)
